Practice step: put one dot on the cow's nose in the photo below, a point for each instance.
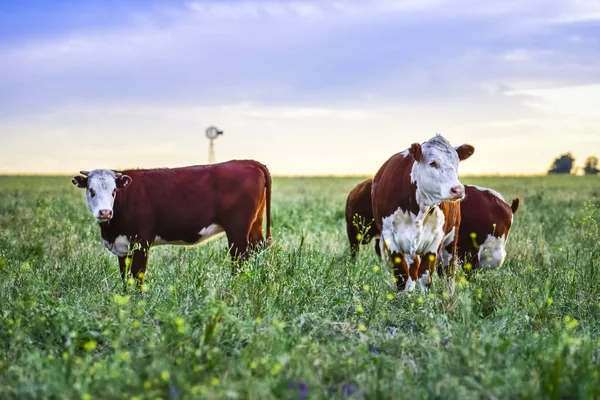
(457, 192)
(105, 214)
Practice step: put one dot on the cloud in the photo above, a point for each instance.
(299, 50)
(323, 84)
(572, 101)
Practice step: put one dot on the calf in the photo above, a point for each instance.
(486, 216)
(412, 195)
(140, 208)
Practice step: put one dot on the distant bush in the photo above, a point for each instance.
(562, 164)
(591, 166)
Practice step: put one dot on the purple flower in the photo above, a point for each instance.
(301, 386)
(174, 391)
(373, 351)
(393, 330)
(348, 389)
(446, 341)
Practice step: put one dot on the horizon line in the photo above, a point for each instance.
(325, 175)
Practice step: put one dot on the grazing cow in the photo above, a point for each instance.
(140, 208)
(486, 215)
(413, 196)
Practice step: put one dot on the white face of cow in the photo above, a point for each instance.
(436, 170)
(101, 187)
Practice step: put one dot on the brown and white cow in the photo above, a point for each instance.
(483, 213)
(486, 216)
(140, 208)
(413, 198)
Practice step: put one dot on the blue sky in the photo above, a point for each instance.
(308, 87)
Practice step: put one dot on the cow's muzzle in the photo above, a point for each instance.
(457, 192)
(104, 216)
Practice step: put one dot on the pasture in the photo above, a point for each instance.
(302, 321)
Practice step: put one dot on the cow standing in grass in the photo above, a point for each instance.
(485, 223)
(140, 208)
(414, 196)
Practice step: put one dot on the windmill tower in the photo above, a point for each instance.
(212, 133)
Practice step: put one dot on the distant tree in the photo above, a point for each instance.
(591, 166)
(562, 164)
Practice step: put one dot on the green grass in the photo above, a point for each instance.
(291, 322)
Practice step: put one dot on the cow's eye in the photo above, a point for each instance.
(114, 192)
(434, 164)
(92, 192)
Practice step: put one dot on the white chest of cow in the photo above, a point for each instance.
(405, 232)
(120, 247)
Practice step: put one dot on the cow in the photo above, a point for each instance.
(483, 212)
(140, 208)
(485, 223)
(414, 197)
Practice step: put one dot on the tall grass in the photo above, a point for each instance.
(302, 321)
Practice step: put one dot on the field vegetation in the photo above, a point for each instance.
(303, 320)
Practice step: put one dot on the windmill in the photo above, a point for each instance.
(212, 133)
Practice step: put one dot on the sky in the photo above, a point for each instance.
(306, 87)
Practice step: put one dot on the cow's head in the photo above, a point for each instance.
(435, 170)
(101, 189)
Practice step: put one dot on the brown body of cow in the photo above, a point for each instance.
(482, 212)
(486, 220)
(360, 223)
(186, 206)
(414, 196)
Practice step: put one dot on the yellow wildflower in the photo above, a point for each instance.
(275, 369)
(91, 345)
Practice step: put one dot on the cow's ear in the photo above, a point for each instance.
(465, 151)
(416, 151)
(80, 181)
(123, 181)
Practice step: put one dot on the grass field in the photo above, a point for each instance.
(302, 321)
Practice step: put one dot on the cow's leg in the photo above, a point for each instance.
(425, 270)
(237, 226)
(139, 262)
(237, 238)
(399, 265)
(255, 237)
(475, 262)
(452, 261)
(352, 233)
(445, 260)
(413, 272)
(401, 271)
(238, 250)
(471, 258)
(377, 247)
